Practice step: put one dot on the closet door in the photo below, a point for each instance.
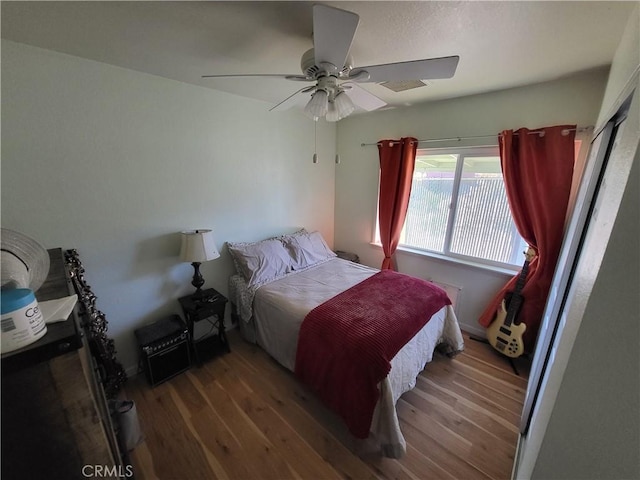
(569, 254)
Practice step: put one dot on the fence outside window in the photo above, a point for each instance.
(458, 207)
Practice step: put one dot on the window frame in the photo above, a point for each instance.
(446, 253)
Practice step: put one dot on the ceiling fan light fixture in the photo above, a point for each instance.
(344, 105)
(318, 105)
(332, 113)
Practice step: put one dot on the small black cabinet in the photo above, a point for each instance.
(209, 306)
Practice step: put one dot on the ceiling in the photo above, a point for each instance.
(501, 44)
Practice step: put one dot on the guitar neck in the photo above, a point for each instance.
(512, 310)
(522, 278)
(516, 298)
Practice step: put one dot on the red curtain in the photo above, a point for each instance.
(397, 161)
(537, 167)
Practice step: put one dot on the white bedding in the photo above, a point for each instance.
(279, 308)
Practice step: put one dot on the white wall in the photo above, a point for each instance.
(625, 66)
(570, 100)
(114, 163)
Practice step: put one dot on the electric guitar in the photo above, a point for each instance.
(503, 334)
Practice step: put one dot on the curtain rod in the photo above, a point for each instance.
(538, 131)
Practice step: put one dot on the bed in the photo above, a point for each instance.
(272, 306)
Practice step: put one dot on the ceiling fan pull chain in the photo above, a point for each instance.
(315, 141)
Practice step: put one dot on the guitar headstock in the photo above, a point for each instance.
(529, 254)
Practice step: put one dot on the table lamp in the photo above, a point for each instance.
(197, 247)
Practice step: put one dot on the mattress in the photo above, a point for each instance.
(274, 312)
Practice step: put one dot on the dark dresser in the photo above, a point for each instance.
(56, 421)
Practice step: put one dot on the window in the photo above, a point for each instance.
(458, 207)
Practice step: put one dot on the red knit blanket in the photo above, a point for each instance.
(346, 344)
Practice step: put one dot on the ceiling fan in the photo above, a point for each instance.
(329, 65)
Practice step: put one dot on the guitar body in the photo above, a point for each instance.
(504, 334)
(506, 339)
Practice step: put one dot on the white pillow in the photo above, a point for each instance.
(286, 236)
(260, 262)
(307, 249)
(241, 245)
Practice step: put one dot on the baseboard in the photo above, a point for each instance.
(475, 331)
(131, 371)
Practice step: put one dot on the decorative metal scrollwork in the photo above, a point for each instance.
(95, 325)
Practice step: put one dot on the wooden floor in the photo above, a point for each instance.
(242, 416)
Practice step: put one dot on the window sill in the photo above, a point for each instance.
(457, 261)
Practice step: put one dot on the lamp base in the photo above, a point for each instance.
(198, 280)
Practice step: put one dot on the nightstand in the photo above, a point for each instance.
(210, 308)
(352, 257)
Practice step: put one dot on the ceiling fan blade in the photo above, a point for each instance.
(333, 32)
(300, 78)
(427, 69)
(363, 98)
(291, 100)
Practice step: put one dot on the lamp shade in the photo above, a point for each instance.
(332, 113)
(344, 105)
(317, 106)
(198, 246)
